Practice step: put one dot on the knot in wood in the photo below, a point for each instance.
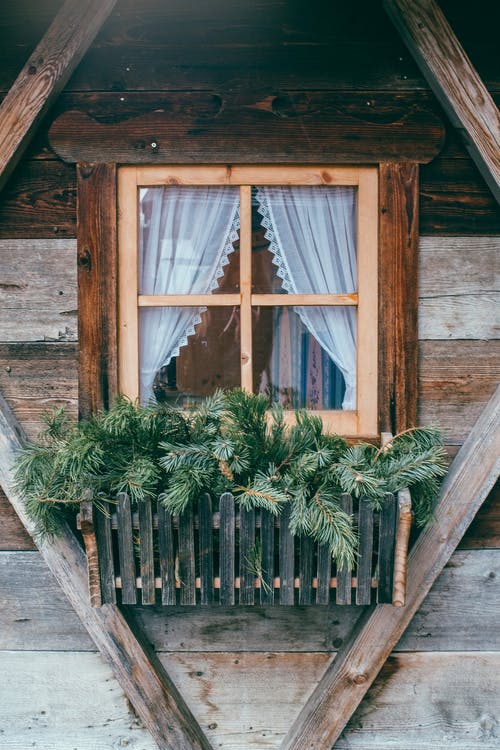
(360, 678)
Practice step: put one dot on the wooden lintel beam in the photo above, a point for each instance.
(138, 670)
(45, 74)
(453, 79)
(341, 689)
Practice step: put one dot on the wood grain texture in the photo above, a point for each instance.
(484, 531)
(332, 703)
(44, 75)
(453, 79)
(460, 613)
(13, 535)
(247, 134)
(420, 700)
(146, 684)
(38, 293)
(65, 700)
(97, 282)
(39, 201)
(216, 46)
(398, 296)
(37, 378)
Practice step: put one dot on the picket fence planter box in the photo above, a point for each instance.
(237, 557)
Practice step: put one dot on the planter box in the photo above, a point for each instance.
(236, 557)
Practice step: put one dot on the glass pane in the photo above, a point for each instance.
(308, 358)
(186, 239)
(304, 240)
(205, 360)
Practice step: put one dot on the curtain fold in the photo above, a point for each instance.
(312, 234)
(187, 234)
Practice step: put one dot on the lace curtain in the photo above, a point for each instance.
(312, 234)
(186, 237)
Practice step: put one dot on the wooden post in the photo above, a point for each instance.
(398, 296)
(453, 79)
(45, 75)
(97, 286)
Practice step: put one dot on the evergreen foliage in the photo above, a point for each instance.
(233, 442)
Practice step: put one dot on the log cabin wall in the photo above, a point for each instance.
(169, 55)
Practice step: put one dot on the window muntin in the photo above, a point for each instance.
(243, 290)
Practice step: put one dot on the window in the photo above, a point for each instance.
(264, 277)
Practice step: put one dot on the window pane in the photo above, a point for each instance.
(304, 240)
(205, 360)
(186, 239)
(309, 359)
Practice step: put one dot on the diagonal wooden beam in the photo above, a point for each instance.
(338, 694)
(453, 79)
(45, 74)
(144, 680)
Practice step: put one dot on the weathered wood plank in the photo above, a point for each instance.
(267, 533)
(286, 559)
(468, 316)
(343, 593)
(167, 558)
(458, 265)
(146, 554)
(13, 535)
(459, 613)
(247, 135)
(146, 684)
(65, 700)
(484, 531)
(102, 523)
(398, 307)
(39, 201)
(332, 703)
(126, 549)
(365, 561)
(186, 557)
(453, 79)
(38, 290)
(97, 286)
(247, 555)
(420, 701)
(424, 701)
(306, 553)
(45, 74)
(387, 533)
(226, 549)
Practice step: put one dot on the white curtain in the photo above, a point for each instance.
(186, 236)
(312, 233)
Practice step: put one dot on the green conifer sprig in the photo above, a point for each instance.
(233, 442)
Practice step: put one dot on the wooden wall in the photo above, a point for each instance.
(438, 689)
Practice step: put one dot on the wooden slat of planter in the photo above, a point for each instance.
(287, 545)
(102, 522)
(186, 557)
(365, 531)
(226, 549)
(267, 543)
(306, 570)
(206, 550)
(166, 552)
(126, 549)
(343, 594)
(387, 534)
(324, 574)
(247, 548)
(146, 553)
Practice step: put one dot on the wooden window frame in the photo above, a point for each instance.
(97, 220)
(363, 420)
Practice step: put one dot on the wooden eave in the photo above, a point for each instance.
(454, 81)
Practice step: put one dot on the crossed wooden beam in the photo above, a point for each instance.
(472, 475)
